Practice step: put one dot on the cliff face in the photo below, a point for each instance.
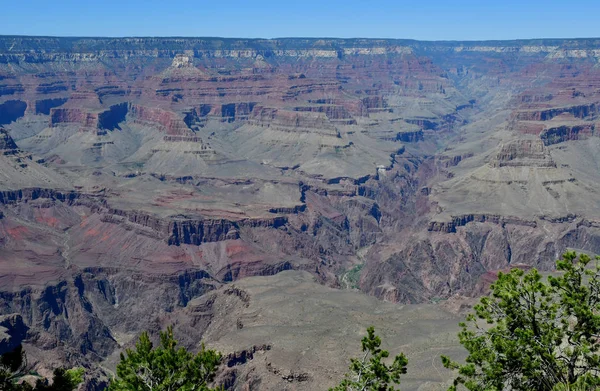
(563, 133)
(578, 111)
(138, 174)
(83, 48)
(7, 144)
(168, 120)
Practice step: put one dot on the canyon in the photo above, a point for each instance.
(216, 183)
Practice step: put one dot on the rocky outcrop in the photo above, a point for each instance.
(168, 121)
(271, 222)
(43, 106)
(536, 98)
(459, 221)
(197, 232)
(59, 315)
(73, 115)
(518, 153)
(51, 87)
(239, 293)
(423, 123)
(177, 231)
(451, 161)
(577, 111)
(239, 269)
(106, 92)
(560, 134)
(292, 121)
(410, 136)
(14, 196)
(7, 144)
(174, 230)
(180, 230)
(226, 112)
(243, 356)
(231, 112)
(335, 113)
(459, 262)
(184, 139)
(288, 210)
(72, 321)
(374, 104)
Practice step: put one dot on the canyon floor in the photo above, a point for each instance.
(271, 197)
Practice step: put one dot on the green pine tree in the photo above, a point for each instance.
(164, 368)
(535, 335)
(370, 372)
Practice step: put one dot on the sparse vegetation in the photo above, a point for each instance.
(352, 276)
(13, 367)
(62, 380)
(164, 368)
(370, 372)
(532, 334)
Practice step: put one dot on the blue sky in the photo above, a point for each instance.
(419, 19)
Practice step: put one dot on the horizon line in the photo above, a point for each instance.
(294, 37)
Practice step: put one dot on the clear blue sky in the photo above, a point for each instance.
(417, 19)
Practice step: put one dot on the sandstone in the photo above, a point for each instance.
(523, 153)
(555, 135)
(578, 111)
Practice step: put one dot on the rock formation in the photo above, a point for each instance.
(139, 176)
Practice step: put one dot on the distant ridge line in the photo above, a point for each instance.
(23, 43)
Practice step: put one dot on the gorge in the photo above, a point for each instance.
(142, 179)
